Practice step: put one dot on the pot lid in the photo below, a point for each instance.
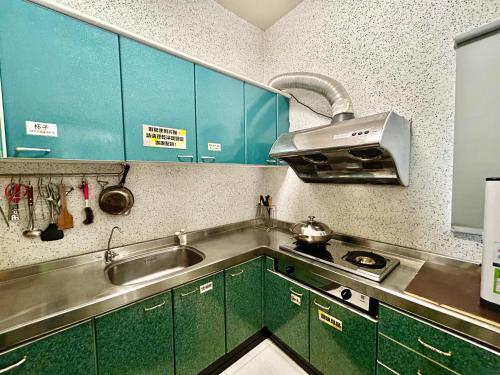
(311, 228)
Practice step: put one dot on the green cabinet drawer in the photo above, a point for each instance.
(342, 341)
(59, 70)
(158, 92)
(244, 300)
(199, 324)
(406, 361)
(220, 117)
(438, 344)
(287, 311)
(137, 339)
(70, 351)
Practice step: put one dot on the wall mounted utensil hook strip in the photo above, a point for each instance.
(65, 174)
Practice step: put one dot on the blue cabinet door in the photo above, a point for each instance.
(220, 117)
(158, 93)
(283, 119)
(58, 70)
(261, 124)
(283, 114)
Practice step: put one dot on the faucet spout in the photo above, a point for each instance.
(109, 255)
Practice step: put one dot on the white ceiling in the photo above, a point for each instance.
(262, 13)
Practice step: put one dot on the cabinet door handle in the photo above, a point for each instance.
(430, 347)
(11, 367)
(33, 149)
(271, 161)
(419, 372)
(320, 305)
(188, 293)
(154, 307)
(237, 273)
(180, 157)
(294, 292)
(208, 159)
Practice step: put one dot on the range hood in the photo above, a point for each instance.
(372, 149)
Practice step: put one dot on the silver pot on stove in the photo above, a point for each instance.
(311, 232)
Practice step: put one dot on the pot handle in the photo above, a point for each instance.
(126, 168)
(311, 218)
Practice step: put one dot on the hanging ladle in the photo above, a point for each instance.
(31, 232)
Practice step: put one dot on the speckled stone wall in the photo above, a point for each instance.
(168, 197)
(398, 55)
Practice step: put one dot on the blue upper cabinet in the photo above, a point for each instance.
(220, 117)
(61, 85)
(283, 112)
(283, 119)
(158, 104)
(261, 124)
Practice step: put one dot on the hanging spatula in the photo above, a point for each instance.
(64, 220)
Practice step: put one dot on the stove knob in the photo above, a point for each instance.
(346, 294)
(289, 269)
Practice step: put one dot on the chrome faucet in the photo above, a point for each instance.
(109, 255)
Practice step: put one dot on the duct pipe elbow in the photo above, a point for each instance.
(332, 90)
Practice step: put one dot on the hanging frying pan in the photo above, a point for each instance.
(117, 199)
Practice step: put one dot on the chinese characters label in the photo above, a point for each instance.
(214, 147)
(41, 128)
(330, 320)
(156, 136)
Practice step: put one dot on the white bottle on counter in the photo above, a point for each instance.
(490, 269)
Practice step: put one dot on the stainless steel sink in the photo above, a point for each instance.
(153, 265)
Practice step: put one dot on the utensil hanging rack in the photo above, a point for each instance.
(65, 174)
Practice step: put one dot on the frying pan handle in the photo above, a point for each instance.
(126, 168)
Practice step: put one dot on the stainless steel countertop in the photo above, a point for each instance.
(42, 298)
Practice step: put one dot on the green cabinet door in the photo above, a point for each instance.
(244, 299)
(61, 85)
(261, 124)
(199, 324)
(287, 311)
(220, 117)
(158, 93)
(70, 351)
(342, 341)
(137, 339)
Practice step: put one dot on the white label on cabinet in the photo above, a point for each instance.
(295, 299)
(330, 320)
(43, 129)
(158, 136)
(206, 287)
(214, 147)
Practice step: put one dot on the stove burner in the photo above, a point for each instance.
(317, 250)
(365, 259)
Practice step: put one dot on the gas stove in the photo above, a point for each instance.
(349, 258)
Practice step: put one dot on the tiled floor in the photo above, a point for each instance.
(266, 358)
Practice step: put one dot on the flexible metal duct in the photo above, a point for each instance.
(332, 90)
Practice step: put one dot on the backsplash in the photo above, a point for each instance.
(167, 198)
(395, 55)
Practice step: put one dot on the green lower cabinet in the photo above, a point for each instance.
(404, 361)
(137, 339)
(342, 341)
(244, 301)
(199, 324)
(437, 344)
(383, 370)
(70, 351)
(287, 312)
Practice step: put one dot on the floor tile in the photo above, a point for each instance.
(268, 359)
